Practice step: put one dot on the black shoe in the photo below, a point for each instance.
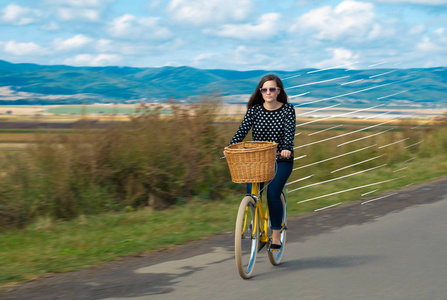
(275, 246)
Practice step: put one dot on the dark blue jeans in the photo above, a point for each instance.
(274, 189)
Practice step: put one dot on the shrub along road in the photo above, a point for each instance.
(391, 248)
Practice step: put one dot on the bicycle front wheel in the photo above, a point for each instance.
(246, 237)
(276, 255)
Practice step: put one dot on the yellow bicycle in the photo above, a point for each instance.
(253, 232)
(254, 162)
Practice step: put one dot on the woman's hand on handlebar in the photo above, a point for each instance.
(285, 153)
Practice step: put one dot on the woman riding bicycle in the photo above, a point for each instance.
(272, 119)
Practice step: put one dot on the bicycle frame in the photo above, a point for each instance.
(263, 217)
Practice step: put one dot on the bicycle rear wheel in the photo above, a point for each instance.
(275, 255)
(246, 238)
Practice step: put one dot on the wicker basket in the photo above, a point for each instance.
(251, 162)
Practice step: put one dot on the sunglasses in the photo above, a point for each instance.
(272, 90)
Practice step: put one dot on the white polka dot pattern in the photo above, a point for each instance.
(271, 126)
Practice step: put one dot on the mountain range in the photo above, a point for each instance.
(26, 84)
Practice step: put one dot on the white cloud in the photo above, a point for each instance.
(204, 56)
(104, 45)
(242, 57)
(422, 2)
(94, 60)
(20, 49)
(441, 31)
(199, 12)
(206, 59)
(434, 43)
(74, 43)
(86, 14)
(417, 29)
(18, 15)
(267, 27)
(130, 48)
(134, 28)
(78, 3)
(154, 4)
(349, 19)
(247, 55)
(52, 26)
(340, 56)
(83, 10)
(427, 45)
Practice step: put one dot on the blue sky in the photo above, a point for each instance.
(230, 34)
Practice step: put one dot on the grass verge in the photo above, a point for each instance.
(48, 246)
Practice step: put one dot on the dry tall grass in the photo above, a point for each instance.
(151, 160)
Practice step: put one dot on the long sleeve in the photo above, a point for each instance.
(244, 128)
(289, 127)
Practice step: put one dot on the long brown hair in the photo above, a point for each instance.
(256, 97)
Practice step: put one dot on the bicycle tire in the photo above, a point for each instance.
(275, 256)
(246, 237)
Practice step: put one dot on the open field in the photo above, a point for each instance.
(10, 111)
(22, 110)
(18, 127)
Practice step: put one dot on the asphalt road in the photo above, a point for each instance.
(391, 248)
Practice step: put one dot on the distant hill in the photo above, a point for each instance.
(58, 84)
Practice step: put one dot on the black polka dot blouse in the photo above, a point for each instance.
(269, 125)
